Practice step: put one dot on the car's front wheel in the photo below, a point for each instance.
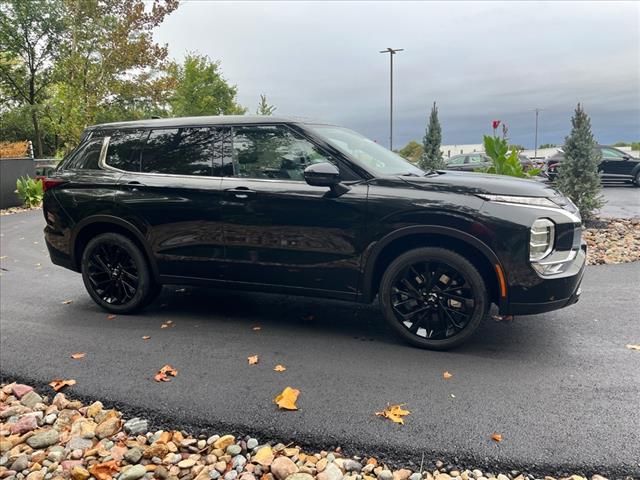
(636, 179)
(433, 298)
(116, 274)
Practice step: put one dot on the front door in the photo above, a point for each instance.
(280, 231)
(170, 190)
(615, 165)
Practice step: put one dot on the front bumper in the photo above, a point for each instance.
(552, 293)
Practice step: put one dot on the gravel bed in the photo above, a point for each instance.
(613, 241)
(64, 439)
(13, 210)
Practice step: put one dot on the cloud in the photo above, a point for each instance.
(478, 60)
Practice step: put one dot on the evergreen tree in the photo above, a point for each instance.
(578, 175)
(432, 157)
(264, 108)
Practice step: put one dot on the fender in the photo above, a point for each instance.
(635, 170)
(378, 247)
(131, 228)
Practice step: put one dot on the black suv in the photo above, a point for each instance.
(615, 166)
(286, 206)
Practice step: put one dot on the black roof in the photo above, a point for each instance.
(204, 121)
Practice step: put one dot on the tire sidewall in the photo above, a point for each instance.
(145, 283)
(458, 262)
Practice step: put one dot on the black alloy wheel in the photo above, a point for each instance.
(116, 274)
(433, 297)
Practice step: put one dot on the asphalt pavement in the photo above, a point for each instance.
(561, 388)
(621, 202)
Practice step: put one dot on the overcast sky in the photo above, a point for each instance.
(479, 61)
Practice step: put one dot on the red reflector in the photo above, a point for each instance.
(49, 183)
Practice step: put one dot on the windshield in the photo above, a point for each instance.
(367, 153)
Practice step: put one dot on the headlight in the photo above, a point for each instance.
(541, 239)
(536, 201)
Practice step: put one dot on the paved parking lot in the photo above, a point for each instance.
(561, 388)
(622, 202)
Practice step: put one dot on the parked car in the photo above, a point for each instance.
(470, 162)
(615, 166)
(278, 205)
(44, 167)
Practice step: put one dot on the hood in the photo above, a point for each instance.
(475, 183)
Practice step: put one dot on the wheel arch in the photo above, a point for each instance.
(95, 225)
(405, 239)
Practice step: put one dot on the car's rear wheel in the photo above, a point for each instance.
(433, 298)
(636, 179)
(116, 274)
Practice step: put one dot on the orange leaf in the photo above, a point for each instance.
(253, 359)
(104, 471)
(146, 337)
(78, 356)
(496, 437)
(58, 384)
(279, 368)
(287, 399)
(394, 413)
(110, 317)
(164, 373)
(447, 375)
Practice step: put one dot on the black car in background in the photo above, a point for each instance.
(470, 162)
(615, 166)
(277, 205)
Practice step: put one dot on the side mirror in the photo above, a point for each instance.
(626, 157)
(325, 175)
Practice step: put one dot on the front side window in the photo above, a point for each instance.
(456, 160)
(124, 150)
(272, 151)
(476, 159)
(612, 154)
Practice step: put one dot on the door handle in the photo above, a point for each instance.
(241, 193)
(133, 185)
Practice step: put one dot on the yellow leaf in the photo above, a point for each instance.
(58, 384)
(496, 437)
(279, 368)
(78, 356)
(633, 347)
(447, 375)
(287, 399)
(394, 413)
(253, 359)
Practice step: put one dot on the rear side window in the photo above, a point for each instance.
(181, 151)
(86, 157)
(124, 150)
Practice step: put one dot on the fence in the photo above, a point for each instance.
(10, 170)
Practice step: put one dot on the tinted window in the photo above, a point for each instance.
(459, 160)
(183, 151)
(611, 153)
(124, 150)
(85, 157)
(272, 152)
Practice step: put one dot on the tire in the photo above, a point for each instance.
(116, 274)
(444, 274)
(636, 180)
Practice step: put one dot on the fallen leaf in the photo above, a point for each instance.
(279, 368)
(110, 317)
(67, 302)
(58, 384)
(146, 337)
(255, 329)
(287, 399)
(452, 395)
(633, 347)
(3, 257)
(78, 356)
(394, 413)
(264, 456)
(164, 373)
(104, 471)
(496, 437)
(169, 322)
(447, 375)
(253, 359)
(164, 325)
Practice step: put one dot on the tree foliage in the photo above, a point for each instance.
(412, 151)
(578, 176)
(432, 156)
(264, 108)
(200, 88)
(504, 158)
(547, 145)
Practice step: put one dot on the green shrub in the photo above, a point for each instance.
(504, 158)
(30, 191)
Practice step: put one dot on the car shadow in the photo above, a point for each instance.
(520, 338)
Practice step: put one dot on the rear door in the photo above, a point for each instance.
(280, 231)
(170, 189)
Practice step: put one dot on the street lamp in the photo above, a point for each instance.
(391, 52)
(535, 154)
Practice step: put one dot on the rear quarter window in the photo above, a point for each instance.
(85, 157)
(124, 150)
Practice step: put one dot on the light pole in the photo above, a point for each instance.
(535, 154)
(391, 52)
